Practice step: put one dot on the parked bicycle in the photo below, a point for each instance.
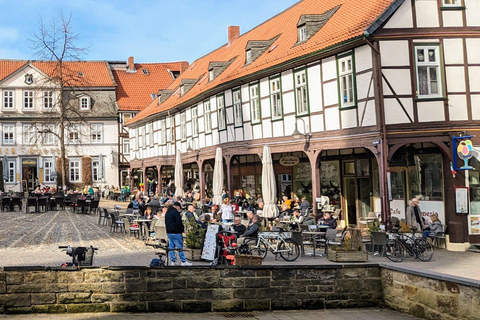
(399, 244)
(276, 242)
(81, 256)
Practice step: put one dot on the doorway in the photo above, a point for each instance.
(28, 174)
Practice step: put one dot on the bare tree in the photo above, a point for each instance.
(55, 44)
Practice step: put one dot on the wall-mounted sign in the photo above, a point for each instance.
(29, 162)
(461, 200)
(289, 161)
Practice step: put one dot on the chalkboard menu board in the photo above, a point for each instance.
(210, 245)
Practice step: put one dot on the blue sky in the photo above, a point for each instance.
(151, 31)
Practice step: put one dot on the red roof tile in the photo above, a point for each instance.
(134, 89)
(7, 67)
(350, 21)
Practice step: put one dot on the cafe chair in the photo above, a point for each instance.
(440, 236)
(31, 202)
(131, 230)
(94, 206)
(42, 202)
(379, 239)
(116, 223)
(16, 202)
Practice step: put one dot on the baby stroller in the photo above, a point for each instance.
(226, 247)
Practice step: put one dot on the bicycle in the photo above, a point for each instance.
(81, 256)
(284, 245)
(399, 244)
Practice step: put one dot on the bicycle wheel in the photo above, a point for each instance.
(292, 250)
(424, 249)
(395, 251)
(255, 249)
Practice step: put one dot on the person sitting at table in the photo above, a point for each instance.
(235, 206)
(238, 227)
(259, 210)
(226, 211)
(153, 201)
(246, 206)
(431, 229)
(252, 230)
(285, 212)
(309, 220)
(203, 221)
(297, 217)
(287, 202)
(249, 216)
(304, 205)
(38, 191)
(190, 213)
(328, 220)
(90, 191)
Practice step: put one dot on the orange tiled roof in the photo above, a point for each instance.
(7, 67)
(351, 20)
(134, 89)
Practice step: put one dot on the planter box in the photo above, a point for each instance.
(247, 260)
(347, 256)
(193, 254)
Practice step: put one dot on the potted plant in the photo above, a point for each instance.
(350, 248)
(194, 239)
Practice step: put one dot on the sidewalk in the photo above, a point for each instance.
(339, 314)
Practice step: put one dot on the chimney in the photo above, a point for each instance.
(233, 33)
(131, 65)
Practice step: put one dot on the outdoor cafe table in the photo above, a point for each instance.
(241, 213)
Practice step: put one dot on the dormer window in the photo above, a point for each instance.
(255, 48)
(84, 103)
(302, 33)
(182, 90)
(145, 71)
(248, 56)
(310, 24)
(80, 74)
(215, 68)
(186, 85)
(211, 75)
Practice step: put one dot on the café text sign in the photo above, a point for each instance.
(289, 161)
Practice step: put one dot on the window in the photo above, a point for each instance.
(10, 178)
(301, 92)
(276, 99)
(28, 134)
(73, 134)
(427, 66)
(163, 134)
(8, 134)
(48, 137)
(148, 135)
(74, 166)
(208, 116)
(143, 140)
(222, 121)
(211, 75)
(302, 33)
(183, 126)
(126, 147)
(8, 99)
(255, 103)
(346, 76)
(237, 108)
(170, 131)
(48, 100)
(194, 122)
(452, 3)
(248, 56)
(28, 100)
(48, 174)
(97, 133)
(97, 171)
(85, 103)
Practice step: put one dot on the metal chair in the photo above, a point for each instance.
(441, 236)
(81, 204)
(42, 202)
(94, 206)
(129, 229)
(31, 202)
(116, 223)
(16, 201)
(379, 239)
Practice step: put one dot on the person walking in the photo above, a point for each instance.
(175, 228)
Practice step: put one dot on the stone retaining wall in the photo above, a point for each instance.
(47, 290)
(430, 298)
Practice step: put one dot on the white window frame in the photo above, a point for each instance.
(163, 132)
(456, 3)
(221, 116)
(302, 33)
(97, 133)
(28, 100)
(301, 92)
(255, 109)
(429, 65)
(346, 78)
(28, 134)
(194, 121)
(48, 99)
(84, 103)
(211, 75)
(11, 177)
(208, 116)
(276, 98)
(183, 126)
(126, 146)
(8, 99)
(248, 56)
(95, 166)
(74, 134)
(8, 129)
(47, 170)
(48, 137)
(148, 135)
(237, 108)
(75, 170)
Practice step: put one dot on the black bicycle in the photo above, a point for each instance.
(398, 245)
(81, 256)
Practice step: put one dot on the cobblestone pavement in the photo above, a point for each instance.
(347, 314)
(33, 240)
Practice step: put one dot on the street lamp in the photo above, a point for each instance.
(297, 134)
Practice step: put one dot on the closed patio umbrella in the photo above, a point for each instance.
(54, 167)
(100, 167)
(218, 178)
(179, 175)
(269, 189)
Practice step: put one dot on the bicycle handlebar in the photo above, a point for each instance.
(65, 247)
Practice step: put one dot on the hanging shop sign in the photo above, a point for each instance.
(289, 161)
(462, 148)
(29, 162)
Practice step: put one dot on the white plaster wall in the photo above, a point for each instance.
(246, 110)
(395, 53)
(368, 112)
(455, 79)
(363, 58)
(264, 89)
(363, 84)
(399, 79)
(314, 89)
(277, 127)
(287, 80)
(349, 118)
(426, 12)
(267, 128)
(453, 51)
(329, 68)
(332, 119)
(402, 17)
(288, 102)
(239, 134)
(330, 92)
(215, 137)
(394, 113)
(247, 131)
(473, 48)
(289, 123)
(452, 18)
(265, 105)
(208, 140)
(317, 123)
(430, 111)
(257, 131)
(475, 106)
(474, 78)
(457, 107)
(472, 13)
